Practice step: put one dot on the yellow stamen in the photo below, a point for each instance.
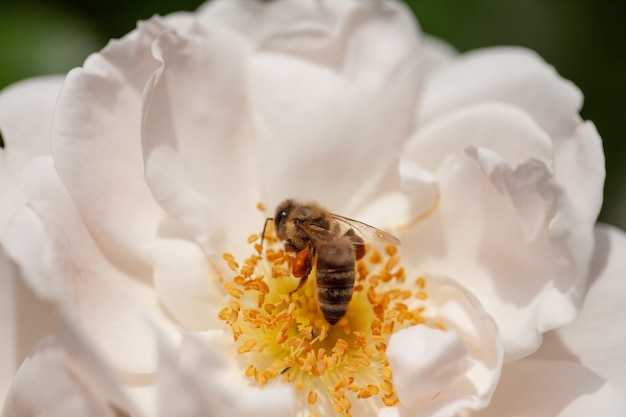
(285, 338)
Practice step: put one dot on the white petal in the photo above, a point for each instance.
(96, 144)
(414, 196)
(24, 320)
(63, 264)
(258, 21)
(337, 104)
(186, 283)
(44, 386)
(548, 216)
(196, 381)
(437, 53)
(500, 127)
(465, 361)
(511, 75)
(520, 78)
(25, 114)
(425, 362)
(365, 42)
(8, 324)
(540, 202)
(579, 166)
(12, 196)
(198, 155)
(525, 187)
(88, 363)
(25, 240)
(483, 238)
(143, 395)
(552, 389)
(596, 338)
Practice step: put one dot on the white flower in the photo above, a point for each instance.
(132, 190)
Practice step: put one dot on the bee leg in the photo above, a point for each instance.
(359, 244)
(302, 266)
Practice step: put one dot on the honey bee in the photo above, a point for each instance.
(334, 243)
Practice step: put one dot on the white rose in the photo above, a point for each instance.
(132, 192)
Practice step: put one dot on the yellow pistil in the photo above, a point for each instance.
(285, 338)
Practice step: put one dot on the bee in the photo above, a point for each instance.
(333, 242)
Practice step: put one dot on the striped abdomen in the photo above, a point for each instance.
(335, 277)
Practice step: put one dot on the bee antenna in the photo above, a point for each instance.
(269, 219)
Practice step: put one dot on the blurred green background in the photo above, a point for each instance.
(584, 39)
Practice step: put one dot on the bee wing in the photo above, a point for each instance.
(316, 232)
(367, 232)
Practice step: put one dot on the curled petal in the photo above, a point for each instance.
(425, 361)
(457, 368)
(499, 230)
(540, 204)
(530, 188)
(519, 78)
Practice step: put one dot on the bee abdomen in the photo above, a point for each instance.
(335, 295)
(334, 301)
(333, 312)
(335, 279)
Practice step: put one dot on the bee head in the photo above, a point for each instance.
(280, 218)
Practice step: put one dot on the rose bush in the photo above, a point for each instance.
(132, 185)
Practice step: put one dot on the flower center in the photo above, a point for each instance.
(285, 337)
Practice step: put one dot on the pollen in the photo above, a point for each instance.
(230, 260)
(283, 338)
